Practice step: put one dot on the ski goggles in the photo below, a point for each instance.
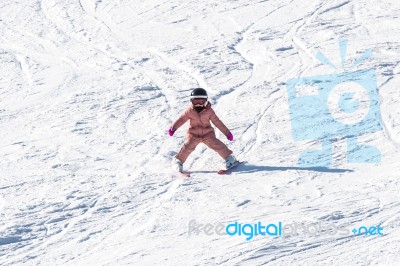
(199, 100)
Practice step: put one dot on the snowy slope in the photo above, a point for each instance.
(89, 88)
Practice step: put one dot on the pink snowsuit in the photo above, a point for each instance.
(200, 130)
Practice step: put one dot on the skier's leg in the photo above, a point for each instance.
(218, 146)
(187, 148)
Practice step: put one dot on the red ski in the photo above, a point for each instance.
(225, 171)
(185, 174)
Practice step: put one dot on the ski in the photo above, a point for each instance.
(225, 171)
(185, 174)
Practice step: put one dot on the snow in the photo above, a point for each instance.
(89, 89)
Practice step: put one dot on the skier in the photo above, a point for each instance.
(199, 114)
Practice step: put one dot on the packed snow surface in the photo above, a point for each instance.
(88, 90)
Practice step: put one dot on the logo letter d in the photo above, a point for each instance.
(235, 225)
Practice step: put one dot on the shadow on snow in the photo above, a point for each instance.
(249, 168)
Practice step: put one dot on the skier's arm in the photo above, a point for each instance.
(180, 121)
(218, 123)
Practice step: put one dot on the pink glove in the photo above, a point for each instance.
(171, 132)
(230, 136)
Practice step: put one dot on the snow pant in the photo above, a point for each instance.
(209, 139)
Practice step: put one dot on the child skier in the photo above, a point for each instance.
(199, 115)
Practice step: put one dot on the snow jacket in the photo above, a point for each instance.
(200, 124)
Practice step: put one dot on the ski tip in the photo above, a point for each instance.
(185, 174)
(221, 172)
(225, 171)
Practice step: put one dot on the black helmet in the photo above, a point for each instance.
(198, 93)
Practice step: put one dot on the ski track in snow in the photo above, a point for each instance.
(90, 87)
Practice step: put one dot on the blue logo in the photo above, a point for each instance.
(368, 231)
(251, 230)
(332, 106)
(279, 229)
